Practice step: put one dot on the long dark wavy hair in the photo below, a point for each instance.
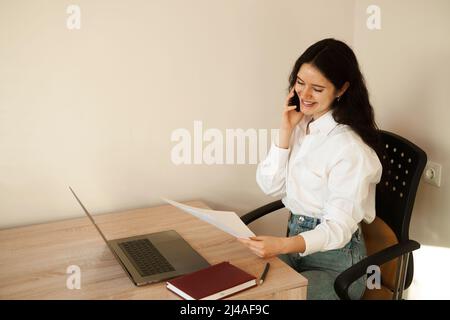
(338, 63)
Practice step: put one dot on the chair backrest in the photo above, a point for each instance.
(403, 163)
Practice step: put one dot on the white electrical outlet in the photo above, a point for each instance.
(432, 173)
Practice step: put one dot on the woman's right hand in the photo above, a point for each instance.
(290, 118)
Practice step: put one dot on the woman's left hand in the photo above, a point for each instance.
(265, 246)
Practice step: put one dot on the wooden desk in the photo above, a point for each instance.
(34, 259)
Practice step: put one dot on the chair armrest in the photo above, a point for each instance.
(261, 211)
(346, 278)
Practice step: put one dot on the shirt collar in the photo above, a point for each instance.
(323, 125)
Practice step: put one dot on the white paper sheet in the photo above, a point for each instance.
(226, 221)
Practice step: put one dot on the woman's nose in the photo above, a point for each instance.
(306, 93)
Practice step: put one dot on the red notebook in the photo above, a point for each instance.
(215, 282)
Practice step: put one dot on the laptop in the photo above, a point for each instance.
(152, 257)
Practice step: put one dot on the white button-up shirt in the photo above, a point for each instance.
(330, 174)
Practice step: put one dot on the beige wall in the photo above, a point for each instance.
(95, 108)
(407, 67)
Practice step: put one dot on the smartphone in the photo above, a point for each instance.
(295, 101)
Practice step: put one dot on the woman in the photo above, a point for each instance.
(325, 167)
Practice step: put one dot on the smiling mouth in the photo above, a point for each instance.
(307, 104)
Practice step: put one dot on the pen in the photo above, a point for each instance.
(263, 276)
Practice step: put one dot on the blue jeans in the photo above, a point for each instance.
(322, 268)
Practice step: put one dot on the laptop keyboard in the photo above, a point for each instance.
(145, 257)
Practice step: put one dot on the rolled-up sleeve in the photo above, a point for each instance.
(271, 172)
(352, 179)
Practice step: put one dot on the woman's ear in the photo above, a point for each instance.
(343, 89)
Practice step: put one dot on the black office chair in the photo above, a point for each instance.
(387, 238)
